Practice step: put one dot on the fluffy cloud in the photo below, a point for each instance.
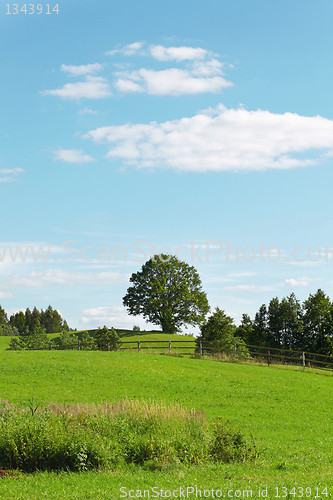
(300, 282)
(114, 315)
(204, 76)
(10, 174)
(248, 288)
(177, 53)
(72, 156)
(4, 295)
(127, 50)
(58, 277)
(94, 87)
(84, 69)
(221, 139)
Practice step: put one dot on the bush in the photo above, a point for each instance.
(80, 438)
(45, 442)
(87, 341)
(229, 445)
(105, 337)
(8, 330)
(136, 328)
(37, 339)
(67, 341)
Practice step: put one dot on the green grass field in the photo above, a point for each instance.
(130, 339)
(288, 412)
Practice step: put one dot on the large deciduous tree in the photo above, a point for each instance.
(168, 293)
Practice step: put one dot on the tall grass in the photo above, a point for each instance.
(79, 437)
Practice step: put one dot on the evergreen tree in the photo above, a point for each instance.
(245, 329)
(318, 324)
(3, 316)
(260, 327)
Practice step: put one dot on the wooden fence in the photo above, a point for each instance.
(243, 352)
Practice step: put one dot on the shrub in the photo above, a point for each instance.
(37, 339)
(87, 341)
(136, 328)
(67, 340)
(229, 444)
(105, 337)
(79, 438)
(8, 330)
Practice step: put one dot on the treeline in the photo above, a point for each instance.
(288, 324)
(25, 323)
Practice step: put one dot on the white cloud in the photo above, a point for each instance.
(249, 288)
(4, 295)
(177, 53)
(300, 282)
(11, 171)
(111, 316)
(72, 156)
(94, 87)
(84, 69)
(10, 174)
(58, 277)
(127, 50)
(127, 86)
(87, 111)
(221, 139)
(204, 76)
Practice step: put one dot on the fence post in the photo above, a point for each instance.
(139, 346)
(50, 347)
(303, 361)
(169, 346)
(234, 349)
(78, 345)
(200, 348)
(108, 346)
(268, 357)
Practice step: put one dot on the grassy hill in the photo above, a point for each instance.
(287, 411)
(128, 336)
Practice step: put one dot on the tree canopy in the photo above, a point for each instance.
(288, 324)
(27, 322)
(167, 292)
(219, 328)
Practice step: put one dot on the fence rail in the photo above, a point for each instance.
(270, 355)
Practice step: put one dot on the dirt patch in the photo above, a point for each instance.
(4, 473)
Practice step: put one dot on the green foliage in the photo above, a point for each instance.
(167, 292)
(37, 339)
(318, 324)
(75, 438)
(289, 325)
(219, 328)
(284, 322)
(87, 341)
(105, 337)
(229, 445)
(3, 316)
(8, 330)
(245, 329)
(42, 441)
(26, 322)
(67, 341)
(259, 333)
(136, 328)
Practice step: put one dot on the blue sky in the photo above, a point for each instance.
(174, 124)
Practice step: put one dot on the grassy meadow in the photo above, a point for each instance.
(288, 412)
